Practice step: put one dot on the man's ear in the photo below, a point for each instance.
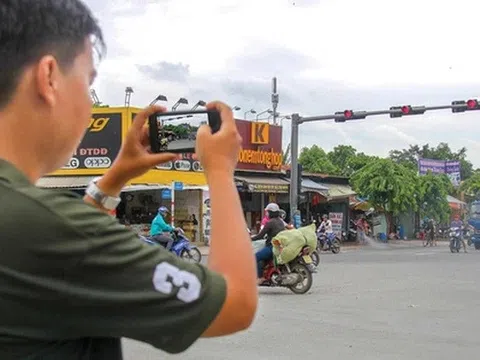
(47, 79)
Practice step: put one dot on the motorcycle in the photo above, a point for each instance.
(455, 239)
(329, 242)
(295, 275)
(181, 246)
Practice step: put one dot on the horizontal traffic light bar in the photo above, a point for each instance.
(394, 111)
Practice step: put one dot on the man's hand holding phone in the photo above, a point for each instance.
(218, 153)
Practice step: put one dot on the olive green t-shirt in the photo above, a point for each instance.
(73, 281)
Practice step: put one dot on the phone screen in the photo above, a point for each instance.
(176, 132)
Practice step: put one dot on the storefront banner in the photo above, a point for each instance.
(337, 222)
(100, 145)
(449, 167)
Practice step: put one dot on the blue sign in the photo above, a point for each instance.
(178, 186)
(166, 194)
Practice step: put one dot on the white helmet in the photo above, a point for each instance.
(272, 207)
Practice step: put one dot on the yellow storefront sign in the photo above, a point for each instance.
(101, 144)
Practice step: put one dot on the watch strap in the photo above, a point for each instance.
(106, 201)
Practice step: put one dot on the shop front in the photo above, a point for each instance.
(326, 195)
(258, 176)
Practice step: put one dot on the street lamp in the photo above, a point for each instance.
(236, 108)
(128, 95)
(264, 112)
(180, 101)
(249, 112)
(199, 103)
(158, 98)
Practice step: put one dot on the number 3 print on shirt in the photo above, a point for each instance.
(167, 276)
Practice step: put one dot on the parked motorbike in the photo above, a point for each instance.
(329, 242)
(181, 246)
(295, 275)
(455, 239)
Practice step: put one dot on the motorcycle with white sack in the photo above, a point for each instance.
(292, 261)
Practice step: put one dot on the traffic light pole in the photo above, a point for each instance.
(297, 120)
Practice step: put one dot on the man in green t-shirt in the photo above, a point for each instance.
(73, 281)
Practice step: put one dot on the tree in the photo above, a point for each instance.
(359, 161)
(471, 186)
(409, 157)
(340, 157)
(432, 193)
(315, 160)
(388, 185)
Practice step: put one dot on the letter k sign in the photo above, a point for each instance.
(260, 133)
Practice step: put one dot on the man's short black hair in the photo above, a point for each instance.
(31, 29)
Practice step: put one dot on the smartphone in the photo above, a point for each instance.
(176, 131)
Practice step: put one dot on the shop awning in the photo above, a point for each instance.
(312, 186)
(148, 187)
(339, 191)
(65, 182)
(264, 184)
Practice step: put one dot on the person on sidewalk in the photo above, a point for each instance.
(87, 281)
(361, 229)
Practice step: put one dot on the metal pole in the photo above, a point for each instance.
(294, 165)
(274, 100)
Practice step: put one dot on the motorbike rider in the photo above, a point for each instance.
(430, 227)
(458, 223)
(325, 226)
(274, 225)
(159, 228)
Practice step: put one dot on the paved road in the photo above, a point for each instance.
(403, 303)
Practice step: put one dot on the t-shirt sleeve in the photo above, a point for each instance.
(121, 286)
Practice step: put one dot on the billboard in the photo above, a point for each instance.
(261, 146)
(449, 167)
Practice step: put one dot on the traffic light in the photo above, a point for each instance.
(462, 106)
(406, 110)
(349, 115)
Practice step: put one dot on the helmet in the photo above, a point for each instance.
(324, 216)
(162, 210)
(272, 207)
(283, 214)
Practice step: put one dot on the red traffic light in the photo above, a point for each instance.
(348, 114)
(472, 104)
(406, 109)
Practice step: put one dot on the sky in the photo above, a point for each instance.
(328, 56)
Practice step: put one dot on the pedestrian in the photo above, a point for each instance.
(361, 230)
(87, 281)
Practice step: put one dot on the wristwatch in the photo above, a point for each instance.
(106, 201)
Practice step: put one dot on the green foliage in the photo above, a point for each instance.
(471, 186)
(316, 160)
(432, 193)
(388, 185)
(340, 157)
(182, 131)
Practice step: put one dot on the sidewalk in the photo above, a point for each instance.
(350, 246)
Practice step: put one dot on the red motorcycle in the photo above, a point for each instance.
(295, 275)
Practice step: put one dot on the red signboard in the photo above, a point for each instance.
(261, 146)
